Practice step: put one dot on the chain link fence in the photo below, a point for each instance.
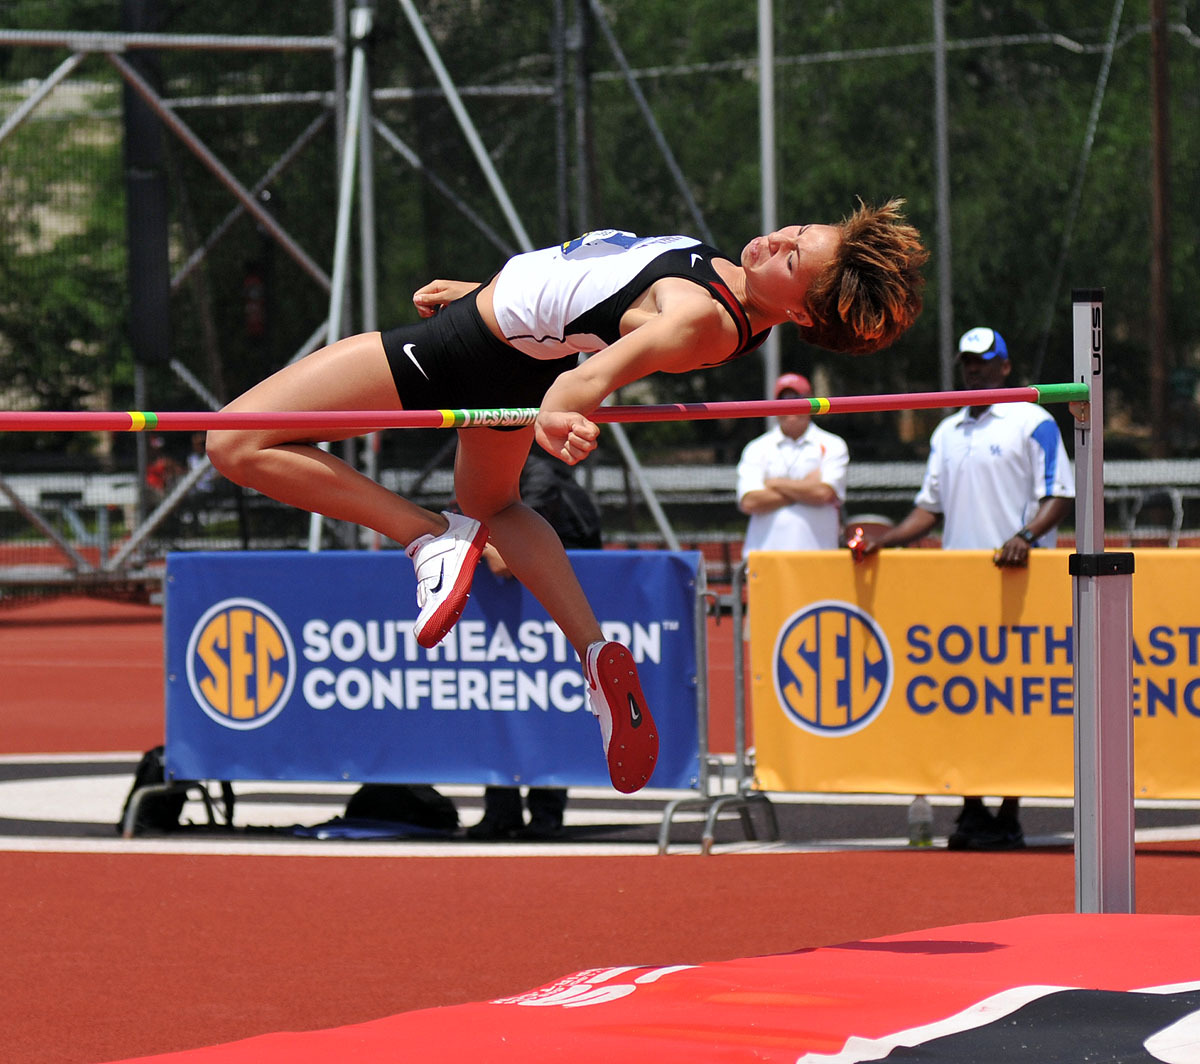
(644, 116)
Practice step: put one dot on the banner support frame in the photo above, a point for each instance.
(745, 799)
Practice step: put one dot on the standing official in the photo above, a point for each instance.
(1000, 480)
(792, 480)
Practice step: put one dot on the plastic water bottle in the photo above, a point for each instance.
(856, 545)
(920, 822)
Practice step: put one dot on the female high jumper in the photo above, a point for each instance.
(634, 306)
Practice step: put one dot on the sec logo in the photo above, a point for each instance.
(832, 668)
(241, 664)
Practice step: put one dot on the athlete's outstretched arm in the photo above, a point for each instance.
(690, 334)
(667, 343)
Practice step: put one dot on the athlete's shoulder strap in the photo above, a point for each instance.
(701, 262)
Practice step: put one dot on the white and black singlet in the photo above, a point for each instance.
(570, 298)
(552, 305)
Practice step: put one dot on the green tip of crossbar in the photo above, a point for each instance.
(1062, 393)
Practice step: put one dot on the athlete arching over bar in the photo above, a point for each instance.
(636, 307)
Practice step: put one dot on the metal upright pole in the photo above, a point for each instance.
(941, 124)
(600, 20)
(369, 297)
(454, 101)
(361, 19)
(561, 172)
(360, 28)
(769, 188)
(1160, 229)
(341, 103)
(1102, 586)
(581, 45)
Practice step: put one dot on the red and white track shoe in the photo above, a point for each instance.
(445, 567)
(629, 733)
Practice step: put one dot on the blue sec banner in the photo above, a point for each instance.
(287, 665)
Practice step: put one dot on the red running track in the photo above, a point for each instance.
(109, 956)
(86, 675)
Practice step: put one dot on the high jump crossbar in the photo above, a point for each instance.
(373, 420)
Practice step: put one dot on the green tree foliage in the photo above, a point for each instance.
(855, 117)
(62, 310)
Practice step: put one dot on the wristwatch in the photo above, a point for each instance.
(1026, 535)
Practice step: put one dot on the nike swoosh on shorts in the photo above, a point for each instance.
(408, 350)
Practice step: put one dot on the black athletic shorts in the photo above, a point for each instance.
(452, 361)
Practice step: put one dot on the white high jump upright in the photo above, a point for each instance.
(1102, 586)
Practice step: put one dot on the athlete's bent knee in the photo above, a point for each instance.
(483, 506)
(231, 454)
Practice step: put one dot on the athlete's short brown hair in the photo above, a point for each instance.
(870, 292)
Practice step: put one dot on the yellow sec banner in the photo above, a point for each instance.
(928, 671)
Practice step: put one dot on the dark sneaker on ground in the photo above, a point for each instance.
(494, 828)
(626, 726)
(541, 829)
(445, 567)
(977, 829)
(1011, 835)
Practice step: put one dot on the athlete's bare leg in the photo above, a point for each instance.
(487, 471)
(353, 374)
(286, 464)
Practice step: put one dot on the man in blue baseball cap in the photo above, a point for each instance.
(999, 479)
(984, 342)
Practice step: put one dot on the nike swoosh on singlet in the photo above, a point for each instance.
(696, 258)
(408, 350)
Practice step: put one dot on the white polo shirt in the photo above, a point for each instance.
(988, 475)
(799, 526)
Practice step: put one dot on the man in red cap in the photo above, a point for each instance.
(792, 480)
